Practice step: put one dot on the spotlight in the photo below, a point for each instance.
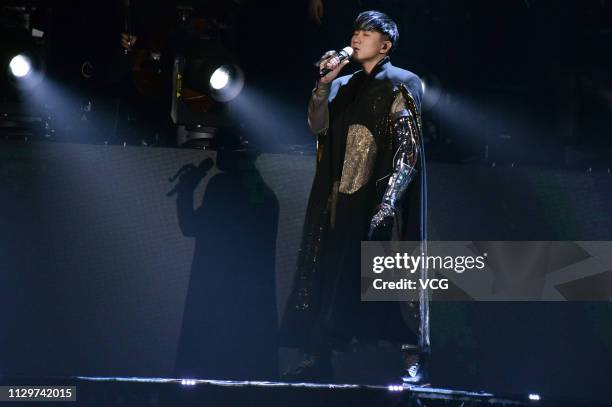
(220, 78)
(226, 82)
(20, 66)
(207, 67)
(26, 68)
(205, 79)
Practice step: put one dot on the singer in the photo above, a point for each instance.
(369, 185)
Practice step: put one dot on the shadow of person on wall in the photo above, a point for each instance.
(229, 322)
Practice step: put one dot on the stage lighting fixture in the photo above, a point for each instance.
(26, 67)
(207, 67)
(226, 83)
(205, 79)
(20, 66)
(219, 78)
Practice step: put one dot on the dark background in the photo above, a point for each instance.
(101, 274)
(524, 81)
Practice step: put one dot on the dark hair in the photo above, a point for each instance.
(376, 21)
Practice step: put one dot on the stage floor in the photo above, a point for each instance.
(148, 391)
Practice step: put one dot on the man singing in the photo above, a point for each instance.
(369, 185)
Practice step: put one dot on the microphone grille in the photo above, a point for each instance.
(349, 51)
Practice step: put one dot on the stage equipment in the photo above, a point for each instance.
(205, 79)
(22, 69)
(20, 66)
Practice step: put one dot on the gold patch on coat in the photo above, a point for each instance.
(358, 159)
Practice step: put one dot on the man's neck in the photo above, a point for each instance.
(369, 65)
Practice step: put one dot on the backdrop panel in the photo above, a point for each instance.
(109, 265)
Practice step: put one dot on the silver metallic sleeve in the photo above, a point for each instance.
(406, 134)
(318, 113)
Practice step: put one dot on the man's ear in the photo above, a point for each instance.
(386, 46)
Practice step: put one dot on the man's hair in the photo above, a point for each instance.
(376, 21)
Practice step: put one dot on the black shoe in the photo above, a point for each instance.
(314, 367)
(416, 367)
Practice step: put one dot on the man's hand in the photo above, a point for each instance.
(128, 41)
(382, 223)
(332, 62)
(315, 10)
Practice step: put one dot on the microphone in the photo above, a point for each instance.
(342, 55)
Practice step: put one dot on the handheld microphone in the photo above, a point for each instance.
(342, 55)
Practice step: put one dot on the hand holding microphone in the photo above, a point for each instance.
(332, 63)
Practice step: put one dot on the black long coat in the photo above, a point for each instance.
(354, 162)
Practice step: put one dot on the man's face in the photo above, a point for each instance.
(368, 45)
